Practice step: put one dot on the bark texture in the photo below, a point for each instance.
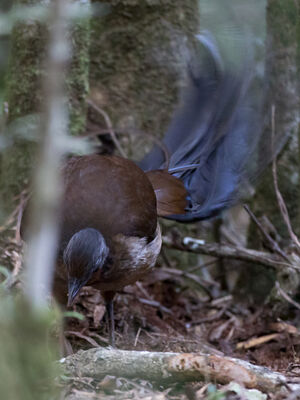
(173, 367)
(282, 78)
(139, 55)
(282, 88)
(24, 98)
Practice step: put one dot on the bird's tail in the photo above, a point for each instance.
(213, 137)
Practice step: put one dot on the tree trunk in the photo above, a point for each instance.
(282, 79)
(24, 98)
(139, 55)
(282, 45)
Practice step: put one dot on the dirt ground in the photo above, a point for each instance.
(161, 315)
(166, 313)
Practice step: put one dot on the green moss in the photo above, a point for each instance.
(281, 67)
(25, 71)
(16, 165)
(24, 95)
(138, 60)
(78, 77)
(27, 68)
(281, 79)
(28, 352)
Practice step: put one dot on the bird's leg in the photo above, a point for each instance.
(109, 298)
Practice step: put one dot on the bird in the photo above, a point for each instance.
(110, 236)
(109, 230)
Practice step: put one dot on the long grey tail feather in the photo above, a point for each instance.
(217, 128)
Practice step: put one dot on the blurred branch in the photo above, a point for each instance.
(237, 253)
(43, 229)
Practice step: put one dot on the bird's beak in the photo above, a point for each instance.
(74, 285)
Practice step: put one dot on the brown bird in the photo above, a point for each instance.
(110, 236)
(109, 231)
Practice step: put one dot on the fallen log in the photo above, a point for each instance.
(168, 367)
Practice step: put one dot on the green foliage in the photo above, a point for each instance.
(74, 314)
(27, 366)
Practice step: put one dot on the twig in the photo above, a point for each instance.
(158, 142)
(221, 300)
(210, 318)
(248, 344)
(237, 253)
(81, 336)
(24, 198)
(286, 296)
(109, 126)
(137, 336)
(195, 278)
(274, 245)
(143, 290)
(165, 258)
(154, 303)
(280, 200)
(202, 266)
(11, 218)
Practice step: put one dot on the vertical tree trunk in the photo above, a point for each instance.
(24, 97)
(282, 46)
(283, 93)
(139, 55)
(4, 50)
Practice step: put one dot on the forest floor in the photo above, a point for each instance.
(163, 313)
(159, 315)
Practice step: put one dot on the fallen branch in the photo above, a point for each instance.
(238, 253)
(254, 342)
(173, 367)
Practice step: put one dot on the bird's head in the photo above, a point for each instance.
(84, 255)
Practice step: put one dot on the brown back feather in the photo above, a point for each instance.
(170, 193)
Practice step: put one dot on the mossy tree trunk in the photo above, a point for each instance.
(4, 49)
(139, 55)
(283, 19)
(24, 97)
(282, 80)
